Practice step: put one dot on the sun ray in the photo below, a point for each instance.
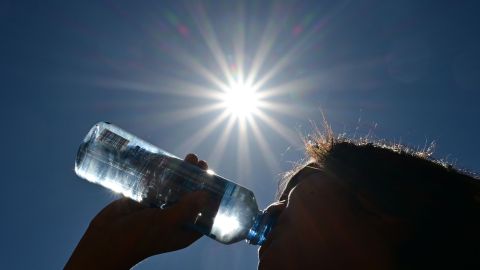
(268, 39)
(279, 128)
(186, 58)
(265, 149)
(298, 85)
(195, 66)
(175, 116)
(198, 137)
(243, 152)
(295, 52)
(162, 86)
(239, 41)
(208, 34)
(188, 89)
(223, 73)
(127, 85)
(217, 155)
(278, 67)
(281, 108)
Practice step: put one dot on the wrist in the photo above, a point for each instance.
(96, 251)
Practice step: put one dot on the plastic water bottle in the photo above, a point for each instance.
(119, 161)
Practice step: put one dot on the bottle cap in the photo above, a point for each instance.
(262, 226)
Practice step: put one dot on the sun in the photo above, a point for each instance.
(240, 99)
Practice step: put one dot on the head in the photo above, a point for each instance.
(367, 206)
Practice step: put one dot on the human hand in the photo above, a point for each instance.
(126, 232)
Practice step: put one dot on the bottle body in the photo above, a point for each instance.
(128, 165)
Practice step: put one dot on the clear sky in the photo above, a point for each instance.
(405, 71)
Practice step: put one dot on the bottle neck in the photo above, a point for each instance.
(262, 226)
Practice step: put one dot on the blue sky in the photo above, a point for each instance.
(404, 71)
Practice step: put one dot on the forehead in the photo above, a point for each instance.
(296, 178)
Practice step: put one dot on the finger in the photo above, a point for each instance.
(115, 210)
(128, 205)
(186, 210)
(121, 206)
(191, 158)
(187, 237)
(190, 205)
(203, 165)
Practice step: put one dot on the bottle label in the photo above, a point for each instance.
(112, 139)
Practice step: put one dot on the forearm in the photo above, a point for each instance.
(94, 253)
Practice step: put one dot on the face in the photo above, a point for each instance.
(323, 224)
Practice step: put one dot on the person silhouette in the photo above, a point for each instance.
(351, 205)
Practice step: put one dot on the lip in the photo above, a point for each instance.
(263, 248)
(275, 210)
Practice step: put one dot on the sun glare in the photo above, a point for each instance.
(241, 79)
(224, 226)
(240, 99)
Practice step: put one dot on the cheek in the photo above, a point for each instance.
(284, 251)
(314, 220)
(294, 240)
(306, 212)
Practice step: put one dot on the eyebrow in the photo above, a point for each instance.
(303, 173)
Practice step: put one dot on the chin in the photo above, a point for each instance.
(269, 261)
(265, 263)
(273, 265)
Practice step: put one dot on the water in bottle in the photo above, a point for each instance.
(119, 161)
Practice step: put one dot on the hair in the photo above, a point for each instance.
(440, 203)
